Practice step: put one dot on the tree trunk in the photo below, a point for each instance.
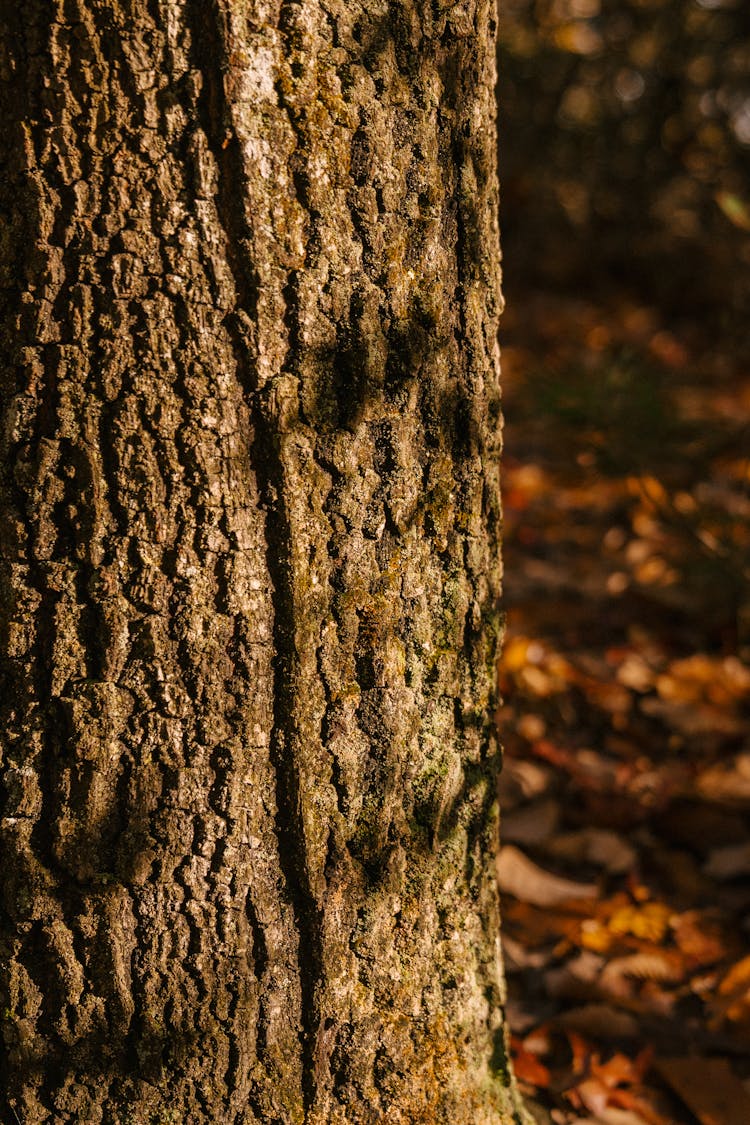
(249, 563)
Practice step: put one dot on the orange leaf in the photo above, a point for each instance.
(649, 921)
(581, 1050)
(733, 1001)
(527, 1067)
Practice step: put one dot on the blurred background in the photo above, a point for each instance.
(625, 161)
(626, 148)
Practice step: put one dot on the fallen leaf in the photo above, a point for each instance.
(691, 718)
(522, 780)
(727, 782)
(634, 672)
(611, 1115)
(709, 1088)
(520, 1018)
(607, 694)
(598, 846)
(575, 978)
(538, 926)
(655, 966)
(538, 682)
(620, 1069)
(699, 940)
(728, 862)
(591, 1093)
(614, 1115)
(733, 999)
(518, 956)
(531, 824)
(519, 876)
(526, 1065)
(602, 1086)
(531, 726)
(600, 1021)
(539, 1113)
(649, 921)
(595, 936)
(581, 1050)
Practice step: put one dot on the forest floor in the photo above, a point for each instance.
(625, 676)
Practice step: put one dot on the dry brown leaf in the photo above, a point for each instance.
(531, 726)
(736, 675)
(635, 673)
(692, 718)
(699, 940)
(616, 1115)
(598, 846)
(600, 1021)
(728, 862)
(531, 824)
(646, 966)
(611, 1115)
(700, 675)
(518, 956)
(576, 978)
(603, 1086)
(538, 682)
(733, 999)
(591, 1093)
(630, 1104)
(537, 926)
(519, 876)
(709, 1088)
(537, 1113)
(730, 782)
(522, 780)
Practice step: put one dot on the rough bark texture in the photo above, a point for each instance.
(249, 563)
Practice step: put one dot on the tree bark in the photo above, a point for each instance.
(250, 569)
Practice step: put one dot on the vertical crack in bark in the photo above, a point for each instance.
(266, 459)
(289, 826)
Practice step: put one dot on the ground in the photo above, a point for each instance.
(626, 682)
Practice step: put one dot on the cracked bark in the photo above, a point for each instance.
(250, 571)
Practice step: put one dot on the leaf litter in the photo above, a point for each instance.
(625, 679)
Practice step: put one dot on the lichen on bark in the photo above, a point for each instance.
(250, 568)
